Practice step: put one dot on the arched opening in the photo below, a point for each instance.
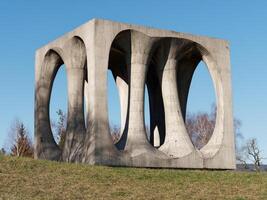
(58, 106)
(45, 144)
(114, 113)
(176, 60)
(147, 113)
(118, 88)
(201, 107)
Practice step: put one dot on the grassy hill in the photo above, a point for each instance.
(24, 178)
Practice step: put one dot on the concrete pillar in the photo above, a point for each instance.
(75, 133)
(123, 95)
(177, 142)
(75, 122)
(140, 49)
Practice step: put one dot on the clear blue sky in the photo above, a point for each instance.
(28, 25)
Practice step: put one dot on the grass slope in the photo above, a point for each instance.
(23, 178)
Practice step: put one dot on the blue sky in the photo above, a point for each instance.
(28, 25)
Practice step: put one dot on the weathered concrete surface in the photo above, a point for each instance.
(162, 60)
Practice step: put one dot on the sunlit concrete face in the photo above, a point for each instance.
(164, 61)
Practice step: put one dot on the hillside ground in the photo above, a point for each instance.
(25, 178)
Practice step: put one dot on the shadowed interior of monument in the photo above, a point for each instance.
(119, 62)
(169, 59)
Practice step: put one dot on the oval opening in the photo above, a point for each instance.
(201, 107)
(147, 114)
(58, 106)
(118, 88)
(114, 113)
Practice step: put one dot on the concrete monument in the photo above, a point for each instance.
(162, 60)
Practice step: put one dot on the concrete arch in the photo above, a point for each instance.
(192, 54)
(188, 62)
(45, 145)
(73, 55)
(215, 142)
(175, 61)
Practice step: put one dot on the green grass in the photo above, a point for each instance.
(24, 178)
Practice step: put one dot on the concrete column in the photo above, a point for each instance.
(75, 63)
(75, 122)
(177, 142)
(123, 95)
(136, 130)
(140, 49)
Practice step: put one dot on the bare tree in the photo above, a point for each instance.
(60, 127)
(21, 141)
(200, 127)
(253, 153)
